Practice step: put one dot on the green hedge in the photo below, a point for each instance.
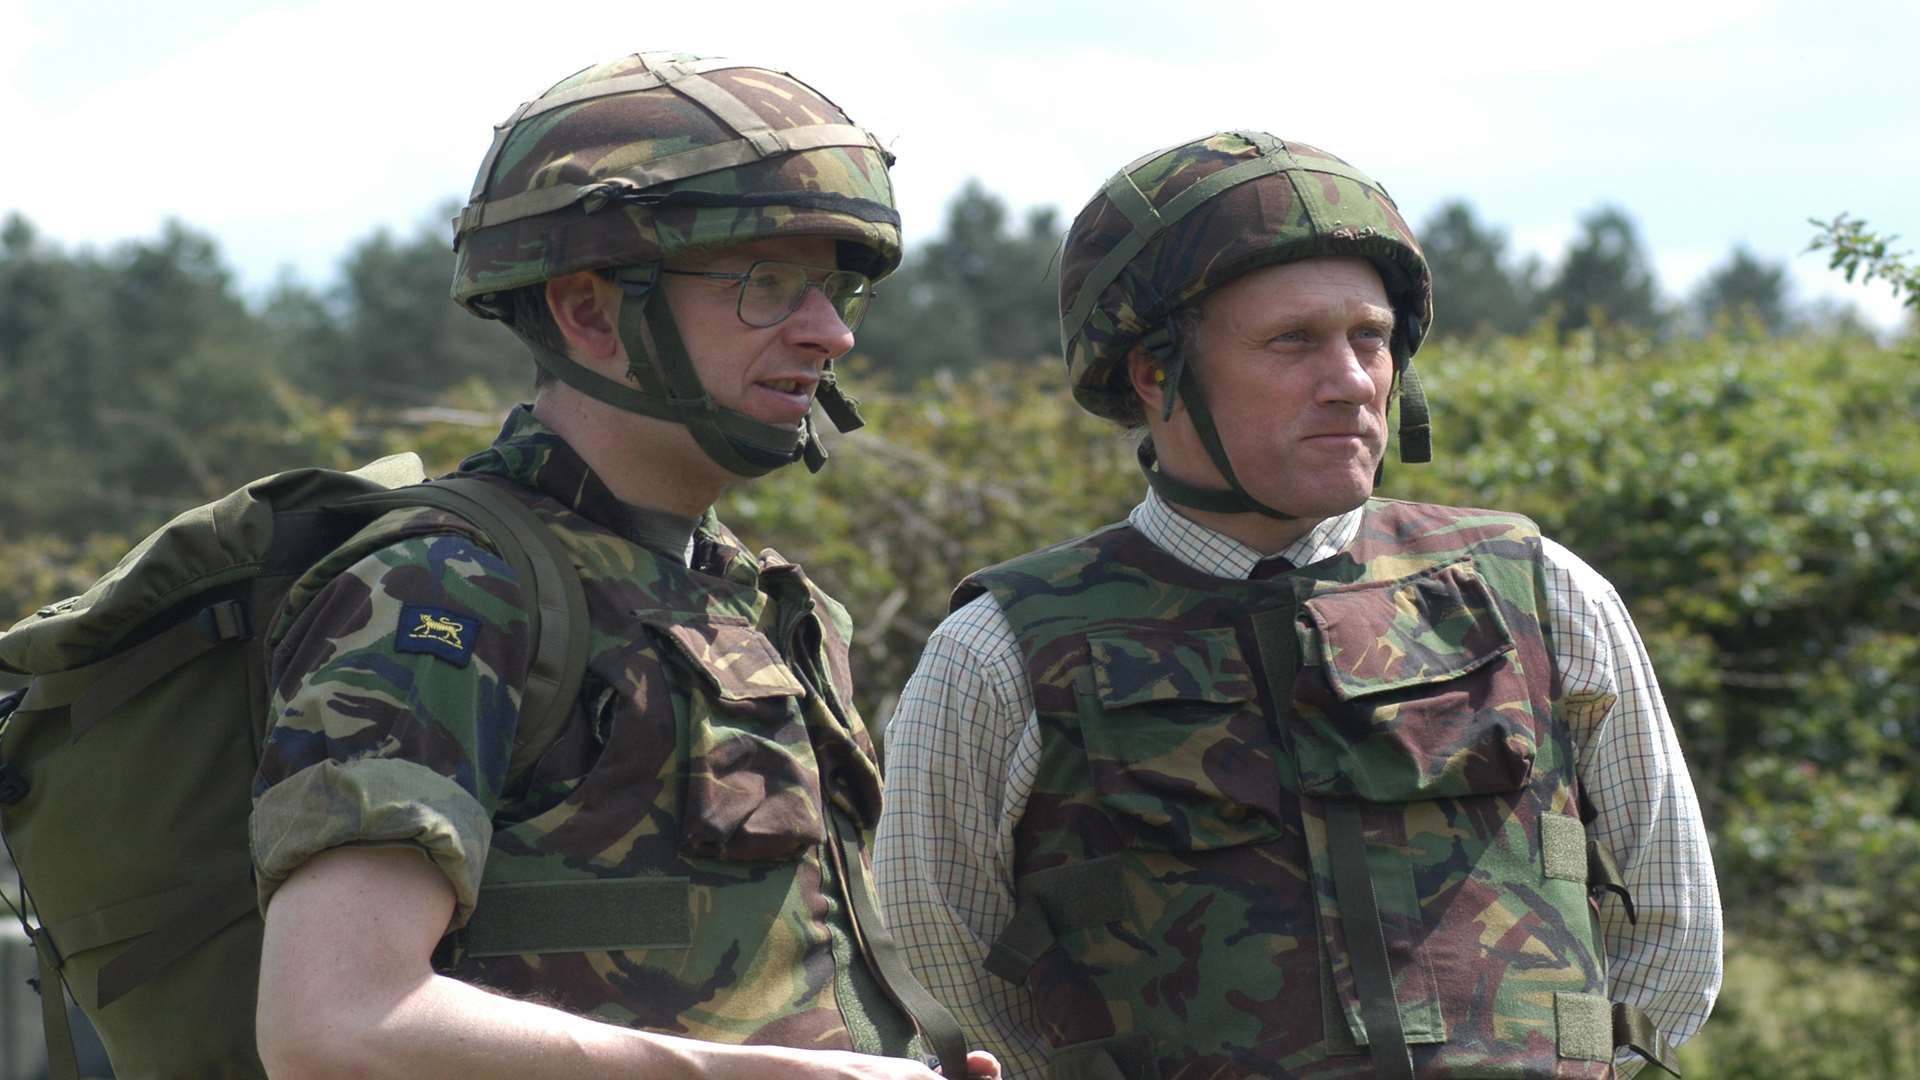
(1754, 502)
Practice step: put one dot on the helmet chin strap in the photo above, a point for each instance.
(1163, 345)
(667, 387)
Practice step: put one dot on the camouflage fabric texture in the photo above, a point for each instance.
(657, 154)
(1202, 740)
(1180, 222)
(665, 864)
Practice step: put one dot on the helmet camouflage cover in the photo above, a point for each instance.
(656, 154)
(1180, 222)
(627, 164)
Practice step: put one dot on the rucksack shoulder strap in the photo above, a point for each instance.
(557, 603)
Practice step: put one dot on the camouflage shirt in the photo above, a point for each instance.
(685, 856)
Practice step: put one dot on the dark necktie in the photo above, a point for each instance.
(1270, 567)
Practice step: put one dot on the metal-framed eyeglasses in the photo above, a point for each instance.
(771, 290)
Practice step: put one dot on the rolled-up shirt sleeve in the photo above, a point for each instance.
(394, 702)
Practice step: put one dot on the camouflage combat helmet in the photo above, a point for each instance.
(635, 161)
(1176, 224)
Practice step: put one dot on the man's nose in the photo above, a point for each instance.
(817, 324)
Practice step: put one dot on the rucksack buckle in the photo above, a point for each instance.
(224, 621)
(13, 784)
(42, 943)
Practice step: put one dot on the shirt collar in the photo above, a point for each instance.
(1216, 553)
(529, 452)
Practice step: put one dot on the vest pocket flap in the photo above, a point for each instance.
(1195, 665)
(1428, 628)
(1175, 748)
(737, 658)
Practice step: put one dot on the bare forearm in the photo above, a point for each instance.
(346, 989)
(445, 1027)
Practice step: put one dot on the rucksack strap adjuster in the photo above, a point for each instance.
(13, 784)
(225, 621)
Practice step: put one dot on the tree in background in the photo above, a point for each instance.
(1860, 251)
(980, 291)
(389, 333)
(1606, 275)
(1745, 290)
(133, 381)
(1479, 290)
(1751, 499)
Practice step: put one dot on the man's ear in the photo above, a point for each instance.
(586, 310)
(1148, 379)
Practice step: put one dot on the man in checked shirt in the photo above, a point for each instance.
(1275, 778)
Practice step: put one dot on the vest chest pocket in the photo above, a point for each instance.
(752, 789)
(1177, 748)
(1411, 691)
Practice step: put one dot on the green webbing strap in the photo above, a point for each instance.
(669, 388)
(644, 80)
(1416, 431)
(756, 141)
(1096, 1065)
(164, 944)
(1366, 942)
(841, 407)
(1179, 492)
(500, 132)
(600, 388)
(663, 69)
(597, 915)
(729, 110)
(1026, 938)
(1604, 873)
(651, 174)
(1132, 202)
(1634, 1030)
(1122, 192)
(1075, 896)
(118, 922)
(737, 442)
(94, 691)
(1279, 651)
(933, 1019)
(557, 603)
(62, 1062)
(1234, 499)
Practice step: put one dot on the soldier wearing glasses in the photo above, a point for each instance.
(686, 246)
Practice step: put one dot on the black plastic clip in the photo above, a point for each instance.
(225, 621)
(13, 784)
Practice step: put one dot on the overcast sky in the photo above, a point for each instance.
(289, 129)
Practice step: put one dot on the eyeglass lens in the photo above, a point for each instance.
(774, 290)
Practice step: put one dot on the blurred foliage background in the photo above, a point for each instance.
(1743, 468)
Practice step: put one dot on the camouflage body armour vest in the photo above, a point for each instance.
(1265, 809)
(690, 856)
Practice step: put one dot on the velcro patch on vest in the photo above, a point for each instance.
(1585, 1026)
(1563, 847)
(448, 635)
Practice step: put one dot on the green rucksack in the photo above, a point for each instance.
(126, 762)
